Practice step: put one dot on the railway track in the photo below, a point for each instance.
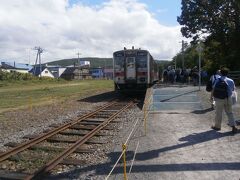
(38, 156)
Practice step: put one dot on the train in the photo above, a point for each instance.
(134, 70)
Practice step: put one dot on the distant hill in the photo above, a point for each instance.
(94, 62)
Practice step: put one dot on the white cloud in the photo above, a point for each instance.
(162, 10)
(62, 30)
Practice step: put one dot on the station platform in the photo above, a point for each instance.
(180, 144)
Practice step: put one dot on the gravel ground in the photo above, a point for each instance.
(17, 124)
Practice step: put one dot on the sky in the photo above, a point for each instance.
(94, 28)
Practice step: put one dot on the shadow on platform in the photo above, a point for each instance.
(203, 111)
(192, 139)
(179, 95)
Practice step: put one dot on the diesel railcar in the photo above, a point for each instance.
(134, 70)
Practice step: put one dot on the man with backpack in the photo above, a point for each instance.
(213, 78)
(222, 92)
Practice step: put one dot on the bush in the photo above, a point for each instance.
(16, 76)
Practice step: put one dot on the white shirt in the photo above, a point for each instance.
(214, 77)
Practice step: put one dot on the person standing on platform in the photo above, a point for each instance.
(213, 78)
(194, 75)
(165, 76)
(222, 92)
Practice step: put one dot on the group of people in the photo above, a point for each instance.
(221, 98)
(182, 75)
(171, 75)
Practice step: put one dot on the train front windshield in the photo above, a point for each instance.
(141, 61)
(119, 63)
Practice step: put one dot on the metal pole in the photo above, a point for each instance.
(35, 66)
(104, 74)
(78, 59)
(78, 65)
(199, 73)
(176, 63)
(40, 63)
(199, 49)
(124, 147)
(182, 54)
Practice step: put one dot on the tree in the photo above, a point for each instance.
(219, 21)
(190, 57)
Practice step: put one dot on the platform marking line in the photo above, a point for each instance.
(193, 95)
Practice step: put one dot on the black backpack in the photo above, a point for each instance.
(209, 86)
(220, 90)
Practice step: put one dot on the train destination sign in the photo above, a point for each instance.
(120, 54)
(141, 53)
(130, 52)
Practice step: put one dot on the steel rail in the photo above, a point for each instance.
(53, 163)
(43, 137)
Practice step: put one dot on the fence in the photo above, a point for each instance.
(146, 106)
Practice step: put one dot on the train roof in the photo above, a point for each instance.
(131, 50)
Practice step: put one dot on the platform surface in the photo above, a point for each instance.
(180, 143)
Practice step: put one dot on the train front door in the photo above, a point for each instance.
(130, 68)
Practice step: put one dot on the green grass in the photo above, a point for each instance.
(16, 95)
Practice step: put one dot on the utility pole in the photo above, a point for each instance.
(78, 58)
(175, 63)
(182, 54)
(38, 59)
(104, 72)
(199, 50)
(184, 45)
(78, 65)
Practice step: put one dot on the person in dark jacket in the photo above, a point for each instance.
(194, 75)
